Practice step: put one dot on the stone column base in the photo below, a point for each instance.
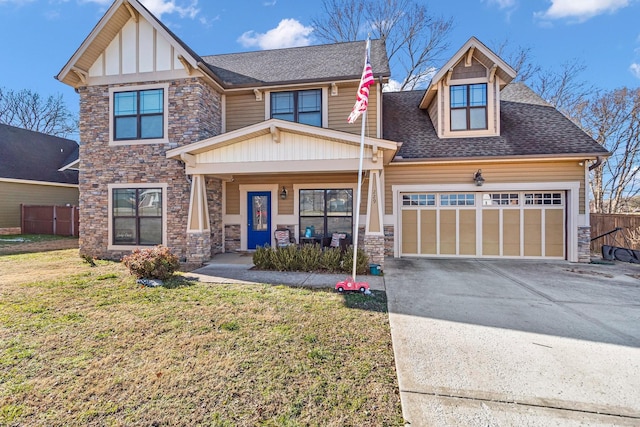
(584, 244)
(198, 247)
(374, 248)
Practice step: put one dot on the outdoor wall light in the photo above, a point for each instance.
(283, 193)
(478, 178)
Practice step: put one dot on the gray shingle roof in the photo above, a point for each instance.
(327, 62)
(35, 156)
(529, 127)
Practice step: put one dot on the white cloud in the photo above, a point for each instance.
(269, 3)
(635, 69)
(160, 7)
(392, 86)
(581, 10)
(503, 4)
(288, 33)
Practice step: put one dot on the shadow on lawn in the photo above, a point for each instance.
(377, 301)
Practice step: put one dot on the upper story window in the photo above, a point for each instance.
(138, 114)
(469, 107)
(303, 106)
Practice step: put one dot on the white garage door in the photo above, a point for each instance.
(481, 224)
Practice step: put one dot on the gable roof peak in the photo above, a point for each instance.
(473, 48)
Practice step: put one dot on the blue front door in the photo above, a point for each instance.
(259, 214)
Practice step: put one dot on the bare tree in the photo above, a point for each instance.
(613, 120)
(415, 40)
(520, 58)
(564, 90)
(28, 110)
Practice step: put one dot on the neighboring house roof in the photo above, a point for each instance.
(35, 156)
(528, 127)
(338, 61)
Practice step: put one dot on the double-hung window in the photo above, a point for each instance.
(137, 216)
(138, 114)
(468, 107)
(303, 106)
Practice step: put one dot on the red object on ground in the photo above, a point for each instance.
(350, 285)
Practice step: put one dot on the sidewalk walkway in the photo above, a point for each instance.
(236, 268)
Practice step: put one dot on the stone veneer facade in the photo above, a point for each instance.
(194, 113)
(584, 244)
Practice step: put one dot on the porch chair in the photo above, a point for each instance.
(283, 237)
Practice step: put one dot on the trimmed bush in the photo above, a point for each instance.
(331, 260)
(310, 256)
(362, 261)
(286, 258)
(153, 263)
(263, 258)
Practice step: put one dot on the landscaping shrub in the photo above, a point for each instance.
(286, 258)
(310, 256)
(153, 263)
(362, 261)
(331, 259)
(263, 258)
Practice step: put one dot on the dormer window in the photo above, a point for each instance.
(469, 107)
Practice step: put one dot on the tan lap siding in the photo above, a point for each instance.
(340, 107)
(516, 172)
(243, 110)
(286, 206)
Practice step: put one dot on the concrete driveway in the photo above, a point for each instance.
(505, 343)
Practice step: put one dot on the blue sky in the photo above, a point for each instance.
(39, 36)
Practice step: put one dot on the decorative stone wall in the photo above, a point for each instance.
(374, 248)
(584, 244)
(231, 237)
(389, 236)
(193, 114)
(198, 247)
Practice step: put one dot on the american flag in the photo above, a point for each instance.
(362, 98)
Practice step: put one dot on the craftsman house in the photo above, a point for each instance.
(207, 154)
(35, 169)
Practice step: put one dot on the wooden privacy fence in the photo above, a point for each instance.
(628, 237)
(57, 220)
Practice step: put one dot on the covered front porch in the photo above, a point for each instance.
(279, 174)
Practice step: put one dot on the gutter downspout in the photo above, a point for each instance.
(596, 164)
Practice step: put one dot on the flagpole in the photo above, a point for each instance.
(359, 192)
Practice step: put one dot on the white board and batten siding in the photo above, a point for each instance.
(136, 49)
(292, 147)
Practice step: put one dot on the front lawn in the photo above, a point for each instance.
(87, 346)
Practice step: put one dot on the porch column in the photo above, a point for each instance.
(198, 228)
(374, 229)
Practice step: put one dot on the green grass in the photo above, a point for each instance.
(83, 345)
(16, 239)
